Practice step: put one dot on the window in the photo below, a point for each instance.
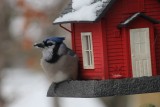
(87, 50)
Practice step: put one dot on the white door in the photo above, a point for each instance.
(140, 52)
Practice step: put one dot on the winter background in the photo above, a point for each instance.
(22, 81)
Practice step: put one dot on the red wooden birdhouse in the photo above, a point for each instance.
(115, 38)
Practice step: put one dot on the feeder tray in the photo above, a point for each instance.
(104, 88)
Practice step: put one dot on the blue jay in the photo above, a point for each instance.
(58, 61)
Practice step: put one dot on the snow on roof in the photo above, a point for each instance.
(83, 11)
(130, 19)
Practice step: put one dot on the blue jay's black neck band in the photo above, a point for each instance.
(55, 56)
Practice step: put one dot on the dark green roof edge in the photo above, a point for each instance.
(143, 15)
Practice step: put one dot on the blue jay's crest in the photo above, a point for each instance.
(55, 39)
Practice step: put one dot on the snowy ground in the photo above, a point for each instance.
(24, 88)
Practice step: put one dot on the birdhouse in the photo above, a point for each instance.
(115, 39)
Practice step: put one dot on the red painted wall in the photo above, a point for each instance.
(157, 47)
(96, 30)
(111, 45)
(118, 45)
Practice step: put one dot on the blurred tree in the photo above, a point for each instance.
(4, 40)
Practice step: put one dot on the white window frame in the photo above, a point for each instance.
(88, 56)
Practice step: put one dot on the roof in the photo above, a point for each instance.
(135, 16)
(84, 11)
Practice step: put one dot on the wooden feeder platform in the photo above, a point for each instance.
(105, 88)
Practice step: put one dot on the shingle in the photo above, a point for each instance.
(68, 9)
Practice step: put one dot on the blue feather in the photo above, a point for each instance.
(55, 39)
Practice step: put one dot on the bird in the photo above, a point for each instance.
(58, 61)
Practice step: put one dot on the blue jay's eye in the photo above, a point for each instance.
(50, 43)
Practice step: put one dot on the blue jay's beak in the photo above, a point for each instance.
(39, 45)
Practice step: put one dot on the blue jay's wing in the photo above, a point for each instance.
(71, 52)
(64, 50)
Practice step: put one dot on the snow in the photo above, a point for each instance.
(23, 88)
(130, 19)
(81, 102)
(77, 4)
(105, 0)
(82, 11)
(28, 88)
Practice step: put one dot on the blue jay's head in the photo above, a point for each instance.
(50, 48)
(50, 42)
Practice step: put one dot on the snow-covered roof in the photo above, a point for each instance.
(136, 15)
(84, 11)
